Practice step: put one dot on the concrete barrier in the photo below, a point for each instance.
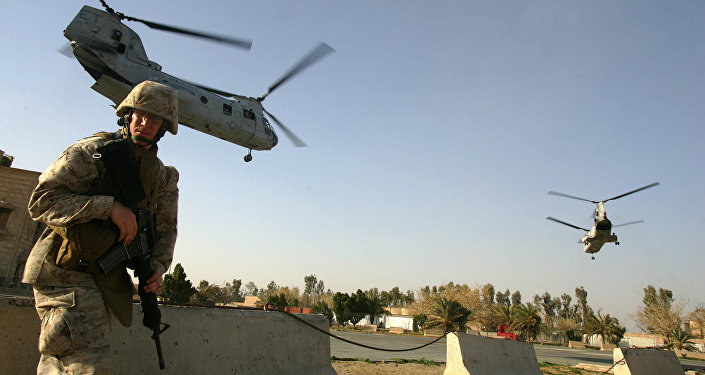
(576, 344)
(608, 347)
(433, 332)
(200, 341)
(477, 355)
(646, 362)
(369, 328)
(396, 330)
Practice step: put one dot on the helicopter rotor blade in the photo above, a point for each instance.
(633, 191)
(242, 43)
(564, 223)
(320, 51)
(215, 91)
(570, 196)
(67, 51)
(629, 223)
(294, 139)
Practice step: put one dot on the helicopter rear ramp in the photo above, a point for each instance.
(477, 355)
(646, 362)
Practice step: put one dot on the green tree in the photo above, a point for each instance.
(278, 300)
(272, 288)
(322, 308)
(567, 311)
(581, 295)
(569, 329)
(488, 293)
(232, 291)
(698, 317)
(503, 298)
(419, 320)
(681, 340)
(385, 299)
(395, 297)
(208, 294)
(658, 314)
(516, 298)
(312, 289)
(357, 307)
(374, 305)
(340, 307)
(250, 289)
(606, 327)
(526, 320)
(177, 289)
(448, 314)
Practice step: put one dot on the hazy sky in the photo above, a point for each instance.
(435, 131)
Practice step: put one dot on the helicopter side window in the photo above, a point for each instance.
(227, 109)
(248, 113)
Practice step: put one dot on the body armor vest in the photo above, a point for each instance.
(84, 243)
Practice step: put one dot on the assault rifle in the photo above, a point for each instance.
(123, 169)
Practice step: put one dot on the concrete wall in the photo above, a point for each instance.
(200, 341)
(477, 355)
(642, 340)
(17, 235)
(646, 362)
(406, 322)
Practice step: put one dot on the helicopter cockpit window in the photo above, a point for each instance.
(249, 114)
(267, 127)
(117, 35)
(227, 109)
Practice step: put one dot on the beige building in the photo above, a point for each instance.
(17, 230)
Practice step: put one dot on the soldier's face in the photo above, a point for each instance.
(145, 125)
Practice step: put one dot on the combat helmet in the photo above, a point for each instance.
(155, 98)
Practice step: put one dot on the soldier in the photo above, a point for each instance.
(76, 199)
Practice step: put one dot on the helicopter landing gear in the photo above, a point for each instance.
(248, 157)
(616, 243)
(593, 258)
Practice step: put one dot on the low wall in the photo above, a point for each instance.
(200, 341)
(477, 355)
(646, 362)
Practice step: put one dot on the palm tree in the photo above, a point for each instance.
(606, 327)
(681, 340)
(526, 319)
(503, 313)
(449, 314)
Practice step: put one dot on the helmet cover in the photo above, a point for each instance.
(154, 98)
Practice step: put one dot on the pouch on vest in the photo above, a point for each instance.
(84, 243)
(117, 290)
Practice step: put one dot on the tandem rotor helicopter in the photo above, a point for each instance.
(114, 56)
(601, 232)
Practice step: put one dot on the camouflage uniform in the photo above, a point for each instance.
(75, 312)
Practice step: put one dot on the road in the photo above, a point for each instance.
(437, 351)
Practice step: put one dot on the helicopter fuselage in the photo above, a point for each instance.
(114, 56)
(600, 234)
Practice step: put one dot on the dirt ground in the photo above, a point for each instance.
(374, 368)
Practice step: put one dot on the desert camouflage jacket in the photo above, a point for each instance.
(62, 199)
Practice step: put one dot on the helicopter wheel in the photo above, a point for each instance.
(248, 157)
(593, 258)
(616, 243)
